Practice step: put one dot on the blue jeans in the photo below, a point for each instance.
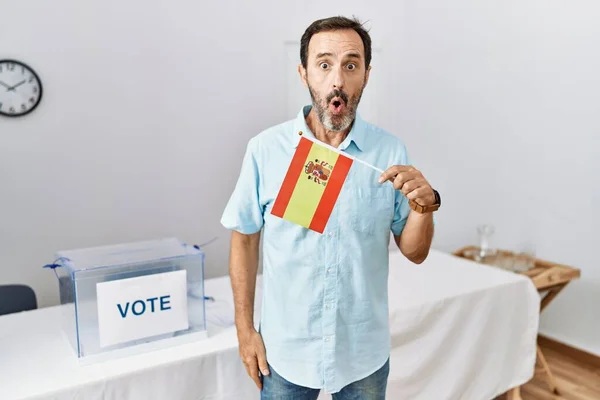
(372, 387)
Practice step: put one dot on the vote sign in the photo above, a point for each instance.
(141, 307)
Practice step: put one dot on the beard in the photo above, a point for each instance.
(335, 122)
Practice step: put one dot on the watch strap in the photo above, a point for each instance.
(426, 209)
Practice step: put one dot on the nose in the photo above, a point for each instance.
(338, 79)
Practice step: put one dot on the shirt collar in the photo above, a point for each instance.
(356, 135)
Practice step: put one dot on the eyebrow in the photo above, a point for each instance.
(349, 55)
(354, 55)
(320, 55)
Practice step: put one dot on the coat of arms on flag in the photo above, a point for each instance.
(317, 171)
(312, 184)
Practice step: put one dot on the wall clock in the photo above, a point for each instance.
(20, 88)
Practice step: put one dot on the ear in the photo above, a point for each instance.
(302, 72)
(367, 74)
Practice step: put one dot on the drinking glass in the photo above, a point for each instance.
(485, 232)
(524, 258)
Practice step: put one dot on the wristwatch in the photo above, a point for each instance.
(427, 209)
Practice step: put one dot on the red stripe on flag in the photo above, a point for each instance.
(291, 178)
(332, 191)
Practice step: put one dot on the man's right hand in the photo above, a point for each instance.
(253, 354)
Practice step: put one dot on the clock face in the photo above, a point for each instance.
(20, 88)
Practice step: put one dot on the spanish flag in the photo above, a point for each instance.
(312, 184)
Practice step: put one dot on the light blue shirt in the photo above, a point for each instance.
(324, 317)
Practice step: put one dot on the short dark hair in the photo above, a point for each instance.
(332, 24)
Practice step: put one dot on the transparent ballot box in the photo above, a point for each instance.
(129, 298)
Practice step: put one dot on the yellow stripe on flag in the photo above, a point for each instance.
(307, 193)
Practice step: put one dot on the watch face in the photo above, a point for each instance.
(20, 88)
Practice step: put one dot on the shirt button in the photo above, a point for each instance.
(331, 234)
(329, 270)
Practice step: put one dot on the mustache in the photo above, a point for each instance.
(338, 93)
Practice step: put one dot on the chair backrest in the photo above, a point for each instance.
(16, 298)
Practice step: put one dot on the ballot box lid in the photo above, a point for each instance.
(125, 253)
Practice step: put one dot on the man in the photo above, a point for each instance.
(324, 317)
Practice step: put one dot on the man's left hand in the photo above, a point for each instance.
(411, 182)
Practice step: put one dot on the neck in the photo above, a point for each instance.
(332, 138)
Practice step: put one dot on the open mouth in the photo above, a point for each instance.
(337, 106)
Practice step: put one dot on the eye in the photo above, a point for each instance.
(324, 65)
(351, 67)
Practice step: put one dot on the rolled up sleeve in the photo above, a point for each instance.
(244, 212)
(401, 211)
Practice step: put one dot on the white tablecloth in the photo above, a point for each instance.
(460, 331)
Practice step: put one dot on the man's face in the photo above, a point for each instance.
(335, 75)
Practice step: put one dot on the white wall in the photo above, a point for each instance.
(493, 99)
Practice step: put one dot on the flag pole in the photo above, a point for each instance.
(320, 143)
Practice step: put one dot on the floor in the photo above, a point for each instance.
(576, 381)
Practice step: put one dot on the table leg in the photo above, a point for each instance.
(514, 394)
(540, 355)
(550, 296)
(549, 377)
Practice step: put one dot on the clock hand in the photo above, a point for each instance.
(5, 85)
(16, 86)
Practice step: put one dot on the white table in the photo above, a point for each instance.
(460, 331)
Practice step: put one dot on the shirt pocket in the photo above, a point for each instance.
(370, 210)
